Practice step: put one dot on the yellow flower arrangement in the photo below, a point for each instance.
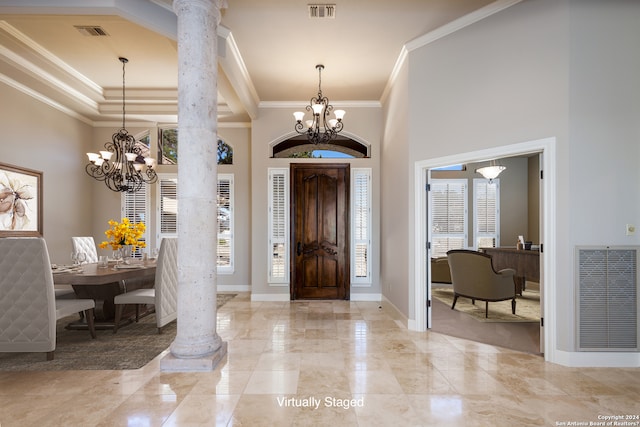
(124, 233)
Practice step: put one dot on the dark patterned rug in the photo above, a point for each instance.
(132, 347)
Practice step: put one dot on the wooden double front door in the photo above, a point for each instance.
(320, 231)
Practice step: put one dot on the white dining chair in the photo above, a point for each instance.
(87, 245)
(28, 307)
(164, 293)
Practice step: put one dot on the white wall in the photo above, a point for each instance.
(36, 136)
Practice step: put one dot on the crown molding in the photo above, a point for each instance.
(302, 104)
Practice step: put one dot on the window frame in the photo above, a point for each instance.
(160, 234)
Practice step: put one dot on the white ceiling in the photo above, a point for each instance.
(269, 50)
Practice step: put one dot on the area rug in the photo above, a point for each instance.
(132, 347)
(527, 306)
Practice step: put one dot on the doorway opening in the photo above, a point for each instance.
(422, 280)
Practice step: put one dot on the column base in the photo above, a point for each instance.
(170, 363)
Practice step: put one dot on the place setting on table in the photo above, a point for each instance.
(110, 276)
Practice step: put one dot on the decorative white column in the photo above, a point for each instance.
(197, 346)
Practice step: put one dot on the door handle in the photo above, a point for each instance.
(299, 249)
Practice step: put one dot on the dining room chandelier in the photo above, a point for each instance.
(321, 128)
(122, 166)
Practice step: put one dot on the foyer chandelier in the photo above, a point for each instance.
(492, 171)
(320, 129)
(121, 165)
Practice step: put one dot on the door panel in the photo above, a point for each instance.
(320, 238)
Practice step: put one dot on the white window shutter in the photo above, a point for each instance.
(225, 223)
(278, 226)
(134, 206)
(486, 200)
(167, 207)
(448, 215)
(361, 226)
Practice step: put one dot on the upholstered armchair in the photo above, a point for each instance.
(28, 307)
(473, 277)
(440, 272)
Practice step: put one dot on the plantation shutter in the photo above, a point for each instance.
(168, 207)
(448, 215)
(225, 223)
(168, 215)
(134, 206)
(486, 213)
(278, 226)
(361, 220)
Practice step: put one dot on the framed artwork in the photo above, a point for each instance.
(20, 201)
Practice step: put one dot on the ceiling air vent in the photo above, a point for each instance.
(322, 11)
(91, 30)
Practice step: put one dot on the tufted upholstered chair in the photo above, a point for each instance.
(473, 277)
(164, 295)
(86, 245)
(28, 307)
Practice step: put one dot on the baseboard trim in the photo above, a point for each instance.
(270, 297)
(399, 316)
(234, 288)
(286, 297)
(597, 359)
(365, 297)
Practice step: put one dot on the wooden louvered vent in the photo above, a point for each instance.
(607, 298)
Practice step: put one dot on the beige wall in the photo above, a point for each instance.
(539, 69)
(501, 81)
(36, 136)
(533, 190)
(396, 209)
(274, 125)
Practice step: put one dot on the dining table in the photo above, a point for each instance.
(102, 284)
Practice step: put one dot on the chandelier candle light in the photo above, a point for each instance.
(121, 165)
(320, 129)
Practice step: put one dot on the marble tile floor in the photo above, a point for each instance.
(322, 363)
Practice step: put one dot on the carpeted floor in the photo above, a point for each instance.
(527, 306)
(131, 348)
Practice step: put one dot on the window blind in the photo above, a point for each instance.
(278, 226)
(448, 215)
(225, 223)
(135, 207)
(168, 215)
(361, 225)
(486, 199)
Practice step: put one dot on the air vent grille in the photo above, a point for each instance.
(91, 30)
(326, 11)
(608, 299)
